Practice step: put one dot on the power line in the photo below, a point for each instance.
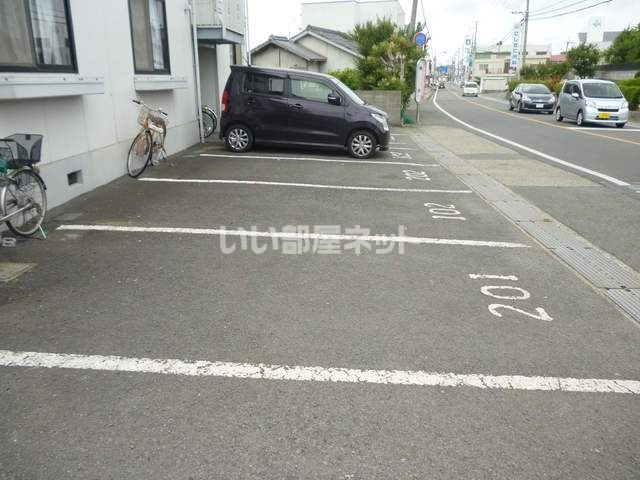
(558, 8)
(551, 5)
(573, 11)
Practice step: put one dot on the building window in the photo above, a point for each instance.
(149, 36)
(36, 36)
(543, 52)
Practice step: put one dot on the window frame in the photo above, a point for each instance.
(43, 68)
(245, 78)
(167, 54)
(332, 87)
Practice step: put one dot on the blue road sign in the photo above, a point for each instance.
(420, 39)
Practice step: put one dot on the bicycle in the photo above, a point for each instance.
(23, 199)
(209, 121)
(149, 141)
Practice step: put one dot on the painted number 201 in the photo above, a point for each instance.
(446, 211)
(508, 292)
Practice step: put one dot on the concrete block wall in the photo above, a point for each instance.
(388, 100)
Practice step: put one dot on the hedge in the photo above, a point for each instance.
(554, 86)
(632, 94)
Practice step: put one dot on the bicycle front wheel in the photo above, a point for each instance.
(209, 123)
(24, 200)
(139, 154)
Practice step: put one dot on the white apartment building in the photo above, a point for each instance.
(495, 61)
(69, 69)
(344, 15)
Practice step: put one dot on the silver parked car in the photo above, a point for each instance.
(592, 101)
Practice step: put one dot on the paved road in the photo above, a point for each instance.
(465, 351)
(604, 212)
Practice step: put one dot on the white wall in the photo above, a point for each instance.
(273, 56)
(344, 16)
(337, 59)
(92, 133)
(209, 89)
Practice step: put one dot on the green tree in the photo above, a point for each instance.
(349, 76)
(626, 48)
(388, 59)
(583, 59)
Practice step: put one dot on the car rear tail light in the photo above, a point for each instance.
(225, 100)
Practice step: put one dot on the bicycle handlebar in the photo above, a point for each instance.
(159, 110)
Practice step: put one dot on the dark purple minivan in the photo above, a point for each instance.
(298, 108)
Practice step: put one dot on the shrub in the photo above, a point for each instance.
(632, 94)
(637, 75)
(350, 77)
(634, 82)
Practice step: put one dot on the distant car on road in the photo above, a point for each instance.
(441, 84)
(593, 101)
(471, 89)
(297, 108)
(532, 97)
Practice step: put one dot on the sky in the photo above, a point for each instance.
(450, 20)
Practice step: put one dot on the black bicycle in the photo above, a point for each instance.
(209, 121)
(23, 199)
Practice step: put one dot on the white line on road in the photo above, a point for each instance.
(405, 148)
(259, 371)
(604, 129)
(307, 185)
(296, 235)
(313, 159)
(608, 178)
(477, 276)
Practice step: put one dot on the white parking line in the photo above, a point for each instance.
(260, 371)
(404, 148)
(296, 235)
(306, 185)
(608, 178)
(312, 159)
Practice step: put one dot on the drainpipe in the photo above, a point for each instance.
(196, 66)
(246, 29)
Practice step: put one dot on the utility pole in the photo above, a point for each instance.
(414, 11)
(474, 48)
(526, 28)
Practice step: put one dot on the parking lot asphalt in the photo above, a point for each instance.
(470, 351)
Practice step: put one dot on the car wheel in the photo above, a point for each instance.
(579, 118)
(362, 144)
(238, 139)
(558, 115)
(620, 125)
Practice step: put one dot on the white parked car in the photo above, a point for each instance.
(470, 88)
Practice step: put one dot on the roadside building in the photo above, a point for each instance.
(494, 60)
(283, 53)
(314, 48)
(345, 15)
(69, 69)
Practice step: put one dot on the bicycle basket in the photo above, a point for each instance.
(143, 115)
(21, 149)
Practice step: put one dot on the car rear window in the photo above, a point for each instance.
(601, 90)
(261, 83)
(537, 88)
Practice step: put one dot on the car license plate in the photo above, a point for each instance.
(539, 105)
(604, 116)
